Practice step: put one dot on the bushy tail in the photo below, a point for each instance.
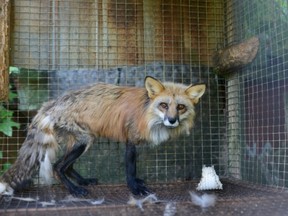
(37, 151)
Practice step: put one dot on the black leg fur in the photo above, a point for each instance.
(135, 185)
(72, 173)
(63, 164)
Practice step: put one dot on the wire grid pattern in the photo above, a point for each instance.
(63, 45)
(59, 45)
(76, 34)
(236, 198)
(257, 95)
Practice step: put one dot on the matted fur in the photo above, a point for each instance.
(124, 114)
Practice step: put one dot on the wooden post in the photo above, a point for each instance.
(4, 49)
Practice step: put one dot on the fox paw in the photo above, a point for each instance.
(78, 191)
(137, 187)
(88, 181)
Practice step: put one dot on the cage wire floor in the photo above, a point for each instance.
(236, 198)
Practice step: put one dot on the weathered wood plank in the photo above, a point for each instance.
(4, 48)
(102, 34)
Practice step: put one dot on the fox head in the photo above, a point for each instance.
(172, 104)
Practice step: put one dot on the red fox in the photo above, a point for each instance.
(130, 115)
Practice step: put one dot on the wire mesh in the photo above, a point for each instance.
(257, 95)
(62, 45)
(236, 198)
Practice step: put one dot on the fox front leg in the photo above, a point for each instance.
(135, 185)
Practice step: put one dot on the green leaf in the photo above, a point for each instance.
(12, 96)
(6, 129)
(14, 70)
(6, 166)
(6, 126)
(4, 113)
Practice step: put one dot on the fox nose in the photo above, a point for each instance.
(172, 120)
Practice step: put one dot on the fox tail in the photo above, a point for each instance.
(37, 152)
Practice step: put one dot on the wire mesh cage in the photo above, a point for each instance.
(241, 122)
(257, 123)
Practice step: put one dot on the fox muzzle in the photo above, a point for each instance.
(171, 122)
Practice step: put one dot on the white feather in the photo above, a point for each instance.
(204, 201)
(71, 198)
(170, 209)
(139, 202)
(26, 199)
(5, 189)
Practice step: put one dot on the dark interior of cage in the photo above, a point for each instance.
(238, 49)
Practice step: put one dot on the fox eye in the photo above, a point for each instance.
(181, 107)
(164, 105)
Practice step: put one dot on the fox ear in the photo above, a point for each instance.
(153, 86)
(195, 92)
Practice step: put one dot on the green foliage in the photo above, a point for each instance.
(6, 121)
(5, 167)
(14, 70)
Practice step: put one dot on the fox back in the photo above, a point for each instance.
(153, 114)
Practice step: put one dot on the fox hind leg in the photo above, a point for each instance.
(63, 165)
(72, 173)
(136, 185)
